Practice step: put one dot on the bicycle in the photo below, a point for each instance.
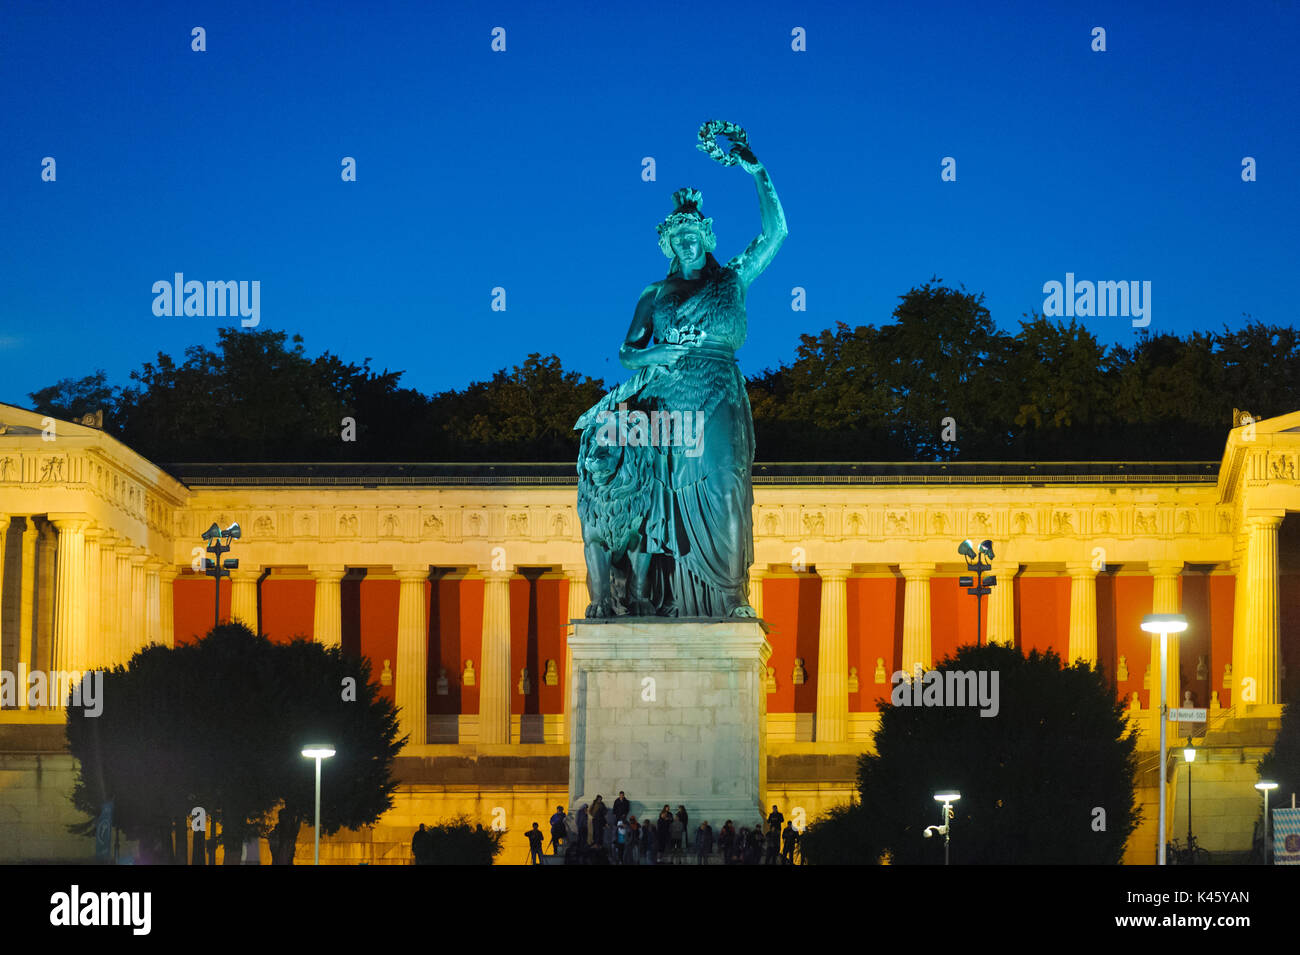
(1190, 854)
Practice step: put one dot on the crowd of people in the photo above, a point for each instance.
(597, 834)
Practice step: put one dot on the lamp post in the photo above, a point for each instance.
(1266, 787)
(1163, 624)
(214, 566)
(977, 561)
(1189, 757)
(318, 751)
(947, 797)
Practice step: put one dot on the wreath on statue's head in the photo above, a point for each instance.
(708, 143)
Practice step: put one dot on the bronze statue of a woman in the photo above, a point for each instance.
(664, 488)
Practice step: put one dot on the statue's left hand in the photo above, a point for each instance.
(748, 161)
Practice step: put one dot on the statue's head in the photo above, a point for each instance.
(686, 231)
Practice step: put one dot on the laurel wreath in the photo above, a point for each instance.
(708, 143)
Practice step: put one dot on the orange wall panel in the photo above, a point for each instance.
(875, 607)
(536, 635)
(1288, 595)
(1195, 642)
(471, 640)
(1223, 591)
(1132, 602)
(192, 607)
(1044, 618)
(952, 617)
(288, 609)
(792, 608)
(378, 632)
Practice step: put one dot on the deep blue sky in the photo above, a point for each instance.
(522, 169)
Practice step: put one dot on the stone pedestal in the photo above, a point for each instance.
(671, 711)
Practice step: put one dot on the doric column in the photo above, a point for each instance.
(494, 692)
(1083, 612)
(167, 575)
(4, 532)
(46, 599)
(327, 613)
(833, 656)
(1164, 599)
(152, 601)
(122, 645)
(916, 616)
(756, 574)
(1002, 604)
(412, 654)
(243, 596)
(89, 651)
(578, 600)
(1262, 631)
(105, 643)
(70, 597)
(5, 664)
(135, 635)
(27, 603)
(1239, 665)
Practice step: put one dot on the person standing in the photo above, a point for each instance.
(598, 821)
(583, 818)
(609, 846)
(559, 829)
(632, 850)
(651, 842)
(703, 844)
(665, 826)
(773, 845)
(791, 838)
(685, 820)
(621, 806)
(534, 845)
(774, 819)
(420, 845)
(678, 836)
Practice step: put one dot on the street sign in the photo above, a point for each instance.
(1187, 715)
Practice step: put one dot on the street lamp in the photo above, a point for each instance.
(318, 751)
(1189, 757)
(1266, 787)
(1163, 624)
(977, 561)
(947, 797)
(214, 566)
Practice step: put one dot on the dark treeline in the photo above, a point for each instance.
(1051, 391)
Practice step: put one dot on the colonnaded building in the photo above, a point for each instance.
(458, 582)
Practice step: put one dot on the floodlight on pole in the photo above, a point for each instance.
(216, 568)
(1163, 624)
(318, 751)
(978, 562)
(1266, 787)
(1189, 757)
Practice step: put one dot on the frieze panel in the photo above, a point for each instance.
(1282, 467)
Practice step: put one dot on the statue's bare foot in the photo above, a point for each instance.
(745, 610)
